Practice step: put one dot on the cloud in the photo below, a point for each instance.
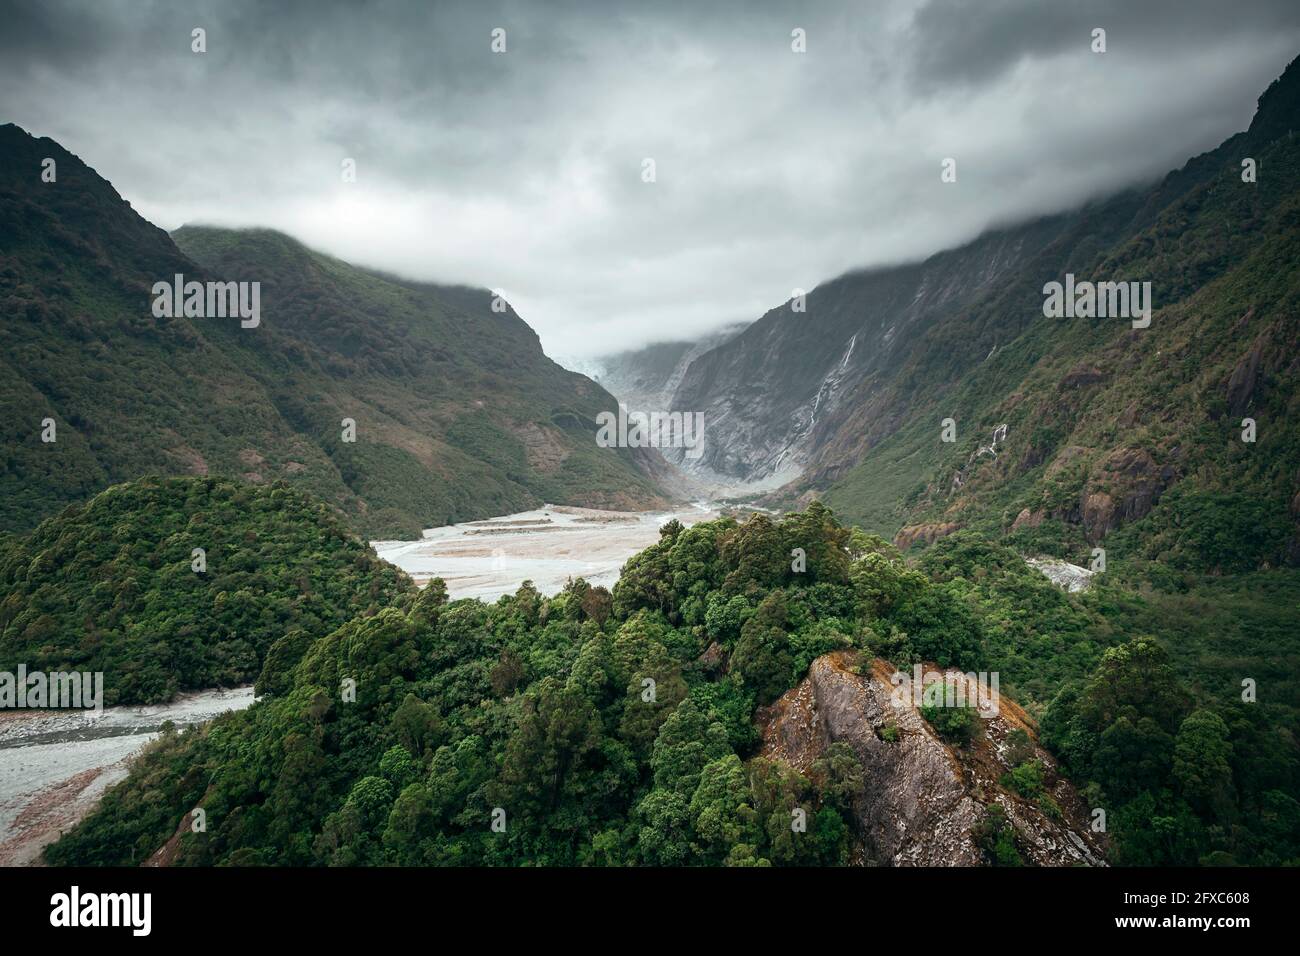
(952, 45)
(522, 171)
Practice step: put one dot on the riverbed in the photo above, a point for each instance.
(548, 546)
(55, 765)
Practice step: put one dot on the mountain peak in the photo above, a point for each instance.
(53, 191)
(1278, 113)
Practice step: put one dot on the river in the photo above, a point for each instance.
(55, 765)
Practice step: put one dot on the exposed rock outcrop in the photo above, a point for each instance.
(923, 800)
(1027, 519)
(926, 533)
(1123, 487)
(1241, 383)
(1062, 573)
(543, 447)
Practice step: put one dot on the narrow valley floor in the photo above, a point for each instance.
(486, 559)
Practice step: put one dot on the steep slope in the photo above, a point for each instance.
(923, 801)
(170, 584)
(846, 400)
(458, 412)
(1074, 428)
(646, 379)
(774, 395)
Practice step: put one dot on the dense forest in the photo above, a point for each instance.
(457, 732)
(170, 584)
(1169, 695)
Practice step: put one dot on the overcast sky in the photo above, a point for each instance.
(522, 171)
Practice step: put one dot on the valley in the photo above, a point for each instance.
(548, 546)
(478, 614)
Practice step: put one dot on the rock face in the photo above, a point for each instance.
(795, 388)
(1062, 573)
(922, 799)
(1241, 383)
(1122, 488)
(926, 533)
(1027, 519)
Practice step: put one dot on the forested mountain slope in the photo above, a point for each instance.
(1102, 419)
(458, 412)
(591, 727)
(1109, 425)
(724, 705)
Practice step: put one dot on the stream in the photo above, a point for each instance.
(56, 764)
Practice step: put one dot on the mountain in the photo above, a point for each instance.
(1106, 425)
(171, 584)
(775, 396)
(458, 413)
(734, 699)
(940, 405)
(646, 379)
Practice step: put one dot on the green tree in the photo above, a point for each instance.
(1202, 764)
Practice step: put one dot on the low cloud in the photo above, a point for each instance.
(523, 171)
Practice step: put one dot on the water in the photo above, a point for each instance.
(55, 765)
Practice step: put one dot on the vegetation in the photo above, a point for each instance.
(996, 837)
(1132, 441)
(952, 720)
(618, 728)
(459, 414)
(1139, 685)
(1129, 438)
(1184, 781)
(591, 726)
(116, 586)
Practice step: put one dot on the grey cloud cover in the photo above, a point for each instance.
(522, 171)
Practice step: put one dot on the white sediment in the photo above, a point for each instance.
(549, 546)
(1062, 573)
(56, 764)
